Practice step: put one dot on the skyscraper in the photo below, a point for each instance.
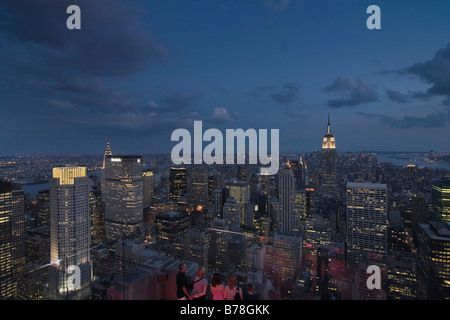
(177, 182)
(297, 167)
(43, 202)
(70, 234)
(12, 245)
(242, 173)
(433, 272)
(170, 226)
(97, 214)
(367, 223)
(329, 182)
(441, 200)
(240, 191)
(231, 214)
(107, 153)
(123, 197)
(286, 221)
(149, 184)
(199, 186)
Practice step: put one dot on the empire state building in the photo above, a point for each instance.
(329, 181)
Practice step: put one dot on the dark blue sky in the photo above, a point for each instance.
(137, 70)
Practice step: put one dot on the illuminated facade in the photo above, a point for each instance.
(177, 182)
(240, 191)
(123, 196)
(329, 182)
(433, 244)
(402, 277)
(97, 214)
(219, 257)
(367, 222)
(12, 245)
(43, 201)
(283, 256)
(171, 225)
(199, 186)
(149, 183)
(231, 214)
(70, 233)
(441, 200)
(108, 152)
(287, 223)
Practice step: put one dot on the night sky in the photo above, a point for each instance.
(137, 70)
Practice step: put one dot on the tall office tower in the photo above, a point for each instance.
(367, 223)
(149, 184)
(97, 213)
(177, 182)
(329, 181)
(220, 196)
(283, 256)
(196, 246)
(70, 234)
(306, 174)
(237, 248)
(231, 214)
(242, 173)
(297, 167)
(286, 220)
(218, 256)
(123, 197)
(433, 272)
(215, 180)
(419, 211)
(411, 176)
(402, 277)
(262, 220)
(107, 153)
(12, 243)
(264, 182)
(199, 186)
(440, 195)
(171, 225)
(300, 208)
(43, 202)
(240, 191)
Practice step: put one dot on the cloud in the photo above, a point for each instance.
(221, 115)
(113, 41)
(397, 96)
(287, 95)
(436, 119)
(435, 72)
(61, 104)
(352, 92)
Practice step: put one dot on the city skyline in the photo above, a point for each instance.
(137, 71)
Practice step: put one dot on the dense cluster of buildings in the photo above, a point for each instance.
(308, 232)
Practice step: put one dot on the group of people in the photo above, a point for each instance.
(199, 289)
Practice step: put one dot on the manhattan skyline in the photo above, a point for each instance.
(136, 71)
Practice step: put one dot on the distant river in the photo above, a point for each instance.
(403, 159)
(33, 189)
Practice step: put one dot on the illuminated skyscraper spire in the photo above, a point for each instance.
(107, 153)
(329, 126)
(328, 139)
(329, 182)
